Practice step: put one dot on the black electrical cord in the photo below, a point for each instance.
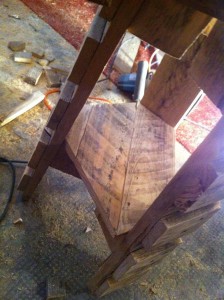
(13, 172)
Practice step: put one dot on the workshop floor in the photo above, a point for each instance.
(51, 243)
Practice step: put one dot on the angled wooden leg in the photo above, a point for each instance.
(96, 51)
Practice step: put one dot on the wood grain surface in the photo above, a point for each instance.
(168, 25)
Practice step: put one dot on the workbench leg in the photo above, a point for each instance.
(96, 50)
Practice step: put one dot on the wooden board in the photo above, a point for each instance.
(150, 166)
(192, 180)
(88, 49)
(110, 285)
(172, 91)
(142, 258)
(177, 225)
(39, 150)
(214, 8)
(62, 104)
(180, 25)
(126, 156)
(208, 66)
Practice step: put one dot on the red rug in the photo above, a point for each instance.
(72, 18)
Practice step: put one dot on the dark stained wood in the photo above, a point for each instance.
(172, 91)
(208, 66)
(214, 8)
(180, 25)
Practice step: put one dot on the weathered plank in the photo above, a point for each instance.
(39, 150)
(183, 191)
(142, 258)
(127, 158)
(172, 90)
(88, 49)
(62, 104)
(111, 285)
(180, 25)
(208, 66)
(178, 225)
(150, 166)
(214, 8)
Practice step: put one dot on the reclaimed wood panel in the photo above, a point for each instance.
(182, 192)
(178, 225)
(208, 66)
(127, 157)
(150, 166)
(172, 90)
(180, 25)
(142, 258)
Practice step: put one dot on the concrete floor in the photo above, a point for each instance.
(51, 242)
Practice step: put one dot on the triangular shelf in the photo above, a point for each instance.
(125, 155)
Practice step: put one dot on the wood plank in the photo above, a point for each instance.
(201, 169)
(142, 258)
(213, 8)
(77, 131)
(172, 90)
(110, 285)
(88, 49)
(102, 156)
(180, 25)
(62, 104)
(215, 192)
(208, 66)
(150, 166)
(39, 150)
(178, 225)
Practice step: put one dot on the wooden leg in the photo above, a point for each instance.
(85, 73)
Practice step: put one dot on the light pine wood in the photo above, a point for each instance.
(178, 225)
(172, 90)
(208, 66)
(214, 8)
(142, 258)
(127, 158)
(180, 25)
